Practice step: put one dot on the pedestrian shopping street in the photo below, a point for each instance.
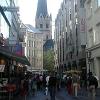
(49, 49)
(40, 95)
(61, 95)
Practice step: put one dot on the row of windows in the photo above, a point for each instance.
(30, 43)
(41, 25)
(30, 53)
(94, 35)
(30, 35)
(90, 8)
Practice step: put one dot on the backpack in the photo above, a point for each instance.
(93, 81)
(96, 82)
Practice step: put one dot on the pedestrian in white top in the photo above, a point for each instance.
(47, 81)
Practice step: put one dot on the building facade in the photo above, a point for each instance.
(9, 35)
(4, 19)
(43, 21)
(93, 36)
(38, 51)
(33, 46)
(10, 22)
(70, 36)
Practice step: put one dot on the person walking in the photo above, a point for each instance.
(92, 86)
(24, 88)
(52, 86)
(33, 85)
(75, 84)
(69, 85)
(47, 83)
(58, 83)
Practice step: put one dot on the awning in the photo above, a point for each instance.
(5, 52)
(10, 55)
(21, 59)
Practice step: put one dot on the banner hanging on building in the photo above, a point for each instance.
(19, 49)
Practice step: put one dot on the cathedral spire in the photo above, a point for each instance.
(42, 8)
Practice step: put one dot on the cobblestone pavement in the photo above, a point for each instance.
(83, 94)
(61, 95)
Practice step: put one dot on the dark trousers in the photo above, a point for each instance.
(52, 91)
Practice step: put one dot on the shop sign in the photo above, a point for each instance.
(2, 67)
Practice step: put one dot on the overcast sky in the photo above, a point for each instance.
(28, 10)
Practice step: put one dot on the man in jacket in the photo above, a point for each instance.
(92, 86)
(52, 85)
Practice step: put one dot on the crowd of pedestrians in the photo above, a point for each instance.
(73, 84)
(52, 82)
(47, 83)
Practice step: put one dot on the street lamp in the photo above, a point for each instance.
(88, 54)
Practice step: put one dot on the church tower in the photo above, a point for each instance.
(43, 21)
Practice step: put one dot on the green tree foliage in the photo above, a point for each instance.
(48, 60)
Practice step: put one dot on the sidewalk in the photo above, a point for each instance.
(63, 95)
(60, 95)
(38, 96)
(41, 96)
(83, 94)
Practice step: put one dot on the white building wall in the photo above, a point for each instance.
(38, 52)
(29, 49)
(93, 34)
(33, 39)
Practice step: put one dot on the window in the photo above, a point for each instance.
(41, 25)
(66, 22)
(91, 38)
(32, 43)
(75, 7)
(98, 2)
(76, 21)
(32, 52)
(76, 32)
(82, 3)
(89, 9)
(28, 53)
(47, 37)
(70, 16)
(28, 43)
(98, 33)
(65, 1)
(47, 26)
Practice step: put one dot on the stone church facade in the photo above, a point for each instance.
(43, 21)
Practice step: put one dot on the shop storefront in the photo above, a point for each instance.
(12, 69)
